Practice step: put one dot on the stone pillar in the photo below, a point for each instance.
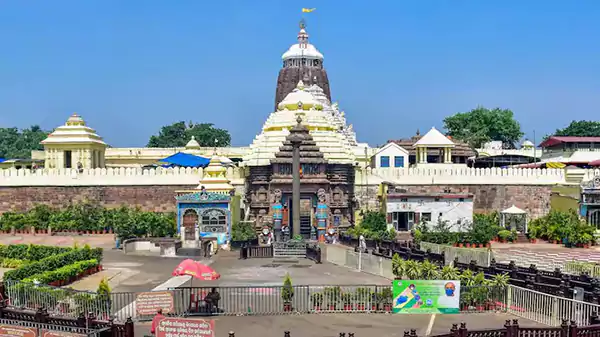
(449, 154)
(423, 156)
(296, 188)
(296, 140)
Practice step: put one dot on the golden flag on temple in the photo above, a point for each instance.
(307, 10)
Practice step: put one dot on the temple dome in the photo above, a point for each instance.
(300, 99)
(302, 49)
(74, 132)
(193, 144)
(215, 177)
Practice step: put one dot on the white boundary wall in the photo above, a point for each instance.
(188, 176)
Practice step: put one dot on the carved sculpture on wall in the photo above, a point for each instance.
(276, 196)
(322, 195)
(337, 195)
(262, 195)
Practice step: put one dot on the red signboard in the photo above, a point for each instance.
(181, 327)
(54, 333)
(17, 331)
(148, 303)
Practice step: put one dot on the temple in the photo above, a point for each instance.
(207, 213)
(327, 165)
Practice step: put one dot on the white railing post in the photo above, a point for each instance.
(360, 260)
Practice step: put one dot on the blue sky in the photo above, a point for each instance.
(131, 66)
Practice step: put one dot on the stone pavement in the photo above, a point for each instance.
(265, 272)
(544, 255)
(363, 325)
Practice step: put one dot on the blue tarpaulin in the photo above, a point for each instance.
(2, 160)
(185, 160)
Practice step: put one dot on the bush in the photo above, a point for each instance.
(30, 252)
(373, 227)
(481, 231)
(64, 273)
(127, 222)
(54, 262)
(242, 231)
(562, 226)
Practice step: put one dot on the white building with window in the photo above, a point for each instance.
(390, 155)
(405, 210)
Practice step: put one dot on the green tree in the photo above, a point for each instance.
(179, 134)
(580, 129)
(18, 144)
(482, 125)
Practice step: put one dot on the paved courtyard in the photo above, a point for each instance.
(363, 325)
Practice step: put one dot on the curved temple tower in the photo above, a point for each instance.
(302, 62)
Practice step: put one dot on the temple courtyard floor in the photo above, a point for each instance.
(363, 325)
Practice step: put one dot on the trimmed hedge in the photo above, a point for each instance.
(31, 252)
(65, 273)
(54, 262)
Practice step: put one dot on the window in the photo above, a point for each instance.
(425, 217)
(214, 221)
(384, 161)
(398, 161)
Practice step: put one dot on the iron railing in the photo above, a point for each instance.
(41, 328)
(57, 301)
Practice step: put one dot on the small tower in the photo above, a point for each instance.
(215, 177)
(74, 145)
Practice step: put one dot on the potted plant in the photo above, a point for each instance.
(287, 293)
(347, 299)
(504, 235)
(361, 296)
(465, 300)
(332, 297)
(385, 298)
(587, 239)
(317, 300)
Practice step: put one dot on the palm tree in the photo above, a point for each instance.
(429, 271)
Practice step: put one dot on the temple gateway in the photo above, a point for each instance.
(326, 190)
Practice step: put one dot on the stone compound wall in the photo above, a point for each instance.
(154, 189)
(487, 198)
(149, 198)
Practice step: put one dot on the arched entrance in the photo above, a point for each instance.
(190, 219)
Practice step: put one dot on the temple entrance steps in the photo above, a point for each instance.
(289, 249)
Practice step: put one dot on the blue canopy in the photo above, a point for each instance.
(185, 160)
(2, 160)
